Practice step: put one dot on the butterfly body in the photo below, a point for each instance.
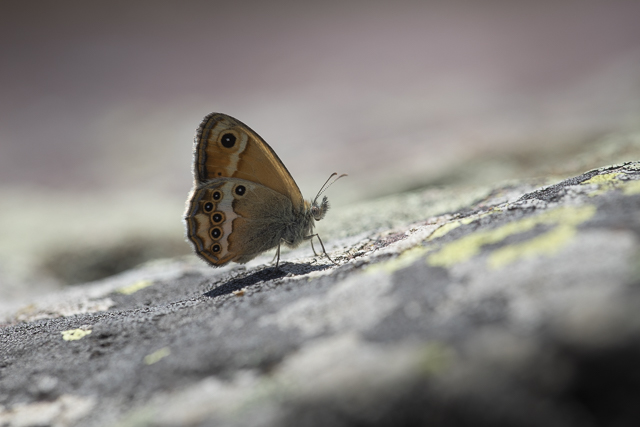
(244, 201)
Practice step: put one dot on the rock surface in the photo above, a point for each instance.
(511, 305)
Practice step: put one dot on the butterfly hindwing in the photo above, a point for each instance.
(230, 219)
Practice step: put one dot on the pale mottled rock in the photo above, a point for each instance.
(517, 306)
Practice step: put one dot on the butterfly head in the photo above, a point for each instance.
(319, 210)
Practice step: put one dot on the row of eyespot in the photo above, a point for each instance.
(218, 217)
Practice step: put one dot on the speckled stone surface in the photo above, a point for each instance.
(511, 305)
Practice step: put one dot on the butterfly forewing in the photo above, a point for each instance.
(226, 147)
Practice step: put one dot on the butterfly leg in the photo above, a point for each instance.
(312, 248)
(277, 255)
(321, 244)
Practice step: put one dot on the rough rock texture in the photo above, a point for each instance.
(511, 306)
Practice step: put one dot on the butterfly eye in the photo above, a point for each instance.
(318, 212)
(240, 190)
(217, 217)
(216, 195)
(208, 207)
(228, 140)
(215, 248)
(216, 233)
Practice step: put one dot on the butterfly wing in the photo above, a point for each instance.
(227, 148)
(230, 219)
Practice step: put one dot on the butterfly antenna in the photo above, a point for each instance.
(324, 185)
(328, 184)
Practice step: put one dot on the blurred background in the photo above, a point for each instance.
(100, 100)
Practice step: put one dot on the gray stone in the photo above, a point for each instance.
(506, 305)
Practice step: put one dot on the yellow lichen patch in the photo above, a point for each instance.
(157, 356)
(75, 334)
(547, 243)
(470, 219)
(459, 250)
(444, 229)
(610, 181)
(605, 182)
(605, 178)
(469, 246)
(631, 187)
(131, 289)
(436, 358)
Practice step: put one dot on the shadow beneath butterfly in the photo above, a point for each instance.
(264, 275)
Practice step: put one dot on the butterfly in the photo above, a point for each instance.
(244, 200)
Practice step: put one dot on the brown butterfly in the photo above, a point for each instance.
(244, 200)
